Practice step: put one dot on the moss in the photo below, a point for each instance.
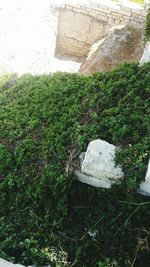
(46, 216)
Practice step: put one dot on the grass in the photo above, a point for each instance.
(46, 216)
(138, 1)
(135, 1)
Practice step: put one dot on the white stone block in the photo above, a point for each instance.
(90, 180)
(147, 177)
(145, 186)
(146, 55)
(4, 263)
(99, 162)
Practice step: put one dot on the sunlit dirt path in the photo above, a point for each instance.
(27, 38)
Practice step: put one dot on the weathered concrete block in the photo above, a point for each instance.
(4, 263)
(90, 180)
(145, 186)
(99, 161)
(146, 55)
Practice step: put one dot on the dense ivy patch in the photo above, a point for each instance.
(147, 26)
(45, 215)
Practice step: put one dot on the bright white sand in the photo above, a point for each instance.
(27, 38)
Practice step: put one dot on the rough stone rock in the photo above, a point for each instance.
(99, 160)
(98, 166)
(145, 186)
(146, 55)
(123, 43)
(4, 263)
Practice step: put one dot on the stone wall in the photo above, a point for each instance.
(80, 26)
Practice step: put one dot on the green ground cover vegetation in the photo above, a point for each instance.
(135, 1)
(147, 26)
(46, 216)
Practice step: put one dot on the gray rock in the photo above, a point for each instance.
(123, 43)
